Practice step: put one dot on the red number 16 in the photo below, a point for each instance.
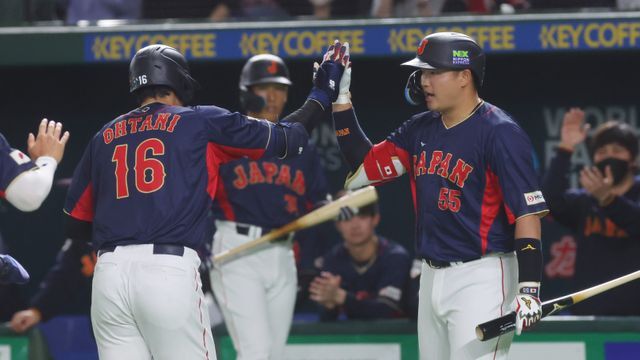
(143, 165)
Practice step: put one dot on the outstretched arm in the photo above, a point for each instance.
(369, 164)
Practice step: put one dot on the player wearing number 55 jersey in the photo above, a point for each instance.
(475, 195)
(144, 186)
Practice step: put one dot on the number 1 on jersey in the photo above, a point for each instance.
(143, 166)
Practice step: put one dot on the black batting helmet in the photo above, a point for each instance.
(163, 65)
(452, 51)
(261, 69)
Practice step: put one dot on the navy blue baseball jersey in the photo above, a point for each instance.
(469, 182)
(149, 176)
(12, 163)
(272, 192)
(374, 289)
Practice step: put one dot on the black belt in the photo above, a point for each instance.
(244, 229)
(162, 249)
(439, 264)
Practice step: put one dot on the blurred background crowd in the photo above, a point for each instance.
(76, 11)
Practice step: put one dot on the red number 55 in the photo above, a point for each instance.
(449, 200)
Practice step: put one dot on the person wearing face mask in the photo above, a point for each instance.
(604, 213)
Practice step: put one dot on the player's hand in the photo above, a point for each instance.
(347, 213)
(344, 95)
(11, 272)
(327, 76)
(25, 320)
(596, 184)
(528, 311)
(325, 290)
(574, 130)
(50, 141)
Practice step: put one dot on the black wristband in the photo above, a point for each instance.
(529, 254)
(310, 114)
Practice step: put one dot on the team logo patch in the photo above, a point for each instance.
(460, 57)
(391, 292)
(534, 197)
(19, 157)
(273, 68)
(423, 43)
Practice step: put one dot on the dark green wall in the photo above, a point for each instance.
(84, 97)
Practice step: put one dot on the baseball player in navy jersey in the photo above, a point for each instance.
(257, 292)
(142, 191)
(476, 198)
(25, 183)
(365, 276)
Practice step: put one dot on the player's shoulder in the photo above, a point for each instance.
(210, 111)
(501, 122)
(494, 115)
(635, 188)
(423, 118)
(390, 248)
(4, 144)
(420, 120)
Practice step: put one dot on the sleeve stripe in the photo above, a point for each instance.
(540, 213)
(84, 208)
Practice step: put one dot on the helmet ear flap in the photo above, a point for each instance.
(413, 90)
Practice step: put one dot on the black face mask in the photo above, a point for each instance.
(619, 168)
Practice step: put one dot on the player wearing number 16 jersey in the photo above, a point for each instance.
(475, 193)
(143, 188)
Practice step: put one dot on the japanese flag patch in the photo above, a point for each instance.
(19, 157)
(534, 197)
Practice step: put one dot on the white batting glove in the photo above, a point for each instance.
(344, 96)
(527, 306)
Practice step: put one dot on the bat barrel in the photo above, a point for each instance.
(496, 327)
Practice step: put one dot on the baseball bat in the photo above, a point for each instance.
(506, 323)
(356, 199)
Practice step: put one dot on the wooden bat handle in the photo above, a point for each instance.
(358, 198)
(504, 324)
(496, 327)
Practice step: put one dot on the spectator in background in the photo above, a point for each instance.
(364, 277)
(628, 4)
(485, 6)
(68, 282)
(570, 4)
(187, 9)
(218, 10)
(604, 213)
(325, 9)
(93, 10)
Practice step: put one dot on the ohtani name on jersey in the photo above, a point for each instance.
(268, 173)
(133, 125)
(440, 164)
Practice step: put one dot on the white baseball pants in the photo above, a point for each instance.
(146, 305)
(256, 293)
(453, 300)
